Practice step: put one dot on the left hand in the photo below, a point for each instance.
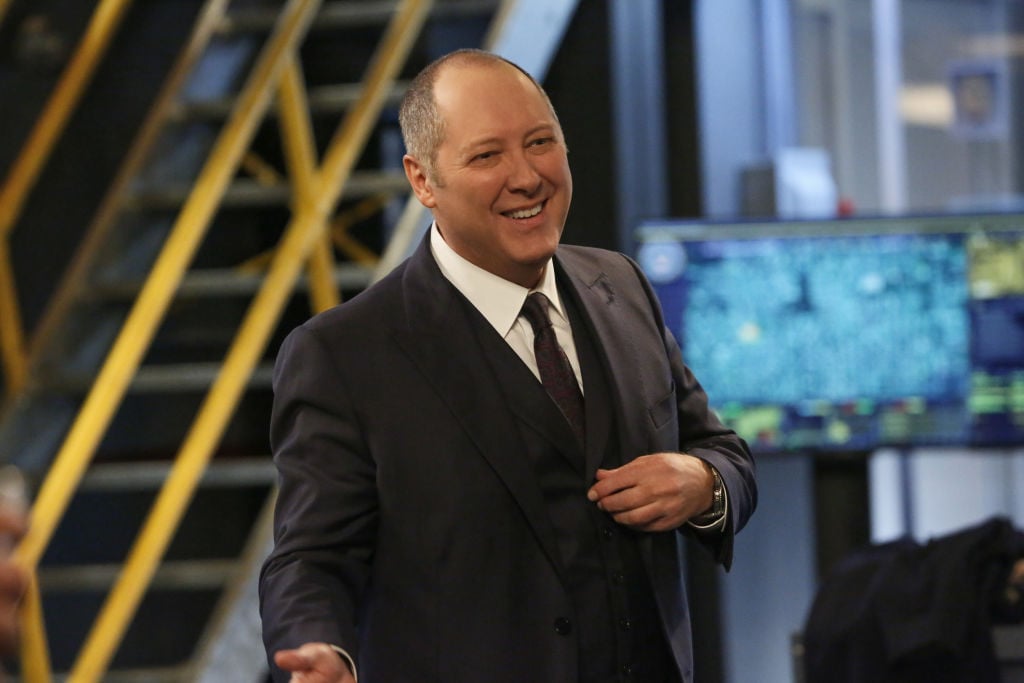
(654, 492)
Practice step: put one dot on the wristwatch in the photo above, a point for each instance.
(717, 509)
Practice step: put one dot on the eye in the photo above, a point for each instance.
(540, 142)
(483, 156)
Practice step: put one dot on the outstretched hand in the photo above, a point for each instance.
(655, 492)
(314, 663)
(13, 579)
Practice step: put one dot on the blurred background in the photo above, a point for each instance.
(827, 195)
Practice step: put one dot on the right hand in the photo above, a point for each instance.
(13, 582)
(314, 663)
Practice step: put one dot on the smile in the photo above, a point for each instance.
(525, 213)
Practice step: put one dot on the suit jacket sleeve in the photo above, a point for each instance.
(702, 434)
(326, 514)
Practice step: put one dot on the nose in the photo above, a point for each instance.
(523, 176)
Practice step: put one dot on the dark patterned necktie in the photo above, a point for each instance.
(555, 371)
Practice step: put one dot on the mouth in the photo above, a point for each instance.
(522, 214)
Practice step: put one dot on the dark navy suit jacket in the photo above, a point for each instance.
(410, 529)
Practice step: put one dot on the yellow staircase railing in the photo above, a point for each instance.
(316, 189)
(29, 164)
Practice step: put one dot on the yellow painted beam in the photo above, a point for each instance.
(81, 67)
(300, 153)
(35, 653)
(320, 269)
(32, 159)
(12, 339)
(303, 230)
(68, 290)
(148, 311)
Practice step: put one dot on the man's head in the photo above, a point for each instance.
(422, 125)
(487, 156)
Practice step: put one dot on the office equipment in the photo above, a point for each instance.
(851, 334)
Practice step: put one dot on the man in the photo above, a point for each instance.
(451, 508)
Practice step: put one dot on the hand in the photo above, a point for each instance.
(314, 663)
(13, 581)
(655, 492)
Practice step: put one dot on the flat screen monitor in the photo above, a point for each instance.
(851, 334)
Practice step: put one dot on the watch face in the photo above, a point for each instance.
(718, 505)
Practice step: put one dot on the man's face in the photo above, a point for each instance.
(501, 187)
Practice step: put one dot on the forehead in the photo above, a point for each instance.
(476, 95)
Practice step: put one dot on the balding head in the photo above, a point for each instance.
(423, 126)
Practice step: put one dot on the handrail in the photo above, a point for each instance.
(12, 355)
(300, 154)
(35, 652)
(35, 660)
(303, 230)
(33, 157)
(76, 274)
(189, 228)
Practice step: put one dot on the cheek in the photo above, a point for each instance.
(557, 169)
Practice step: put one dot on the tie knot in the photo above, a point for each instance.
(536, 311)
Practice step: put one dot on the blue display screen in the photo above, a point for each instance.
(852, 334)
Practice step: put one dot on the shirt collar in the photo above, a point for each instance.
(498, 300)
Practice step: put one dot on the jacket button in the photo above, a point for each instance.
(563, 626)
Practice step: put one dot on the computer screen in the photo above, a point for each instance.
(852, 334)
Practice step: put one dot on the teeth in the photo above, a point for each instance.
(526, 213)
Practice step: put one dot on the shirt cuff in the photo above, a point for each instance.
(713, 525)
(348, 658)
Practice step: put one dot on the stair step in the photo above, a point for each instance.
(186, 574)
(134, 476)
(215, 283)
(323, 100)
(331, 15)
(348, 14)
(245, 193)
(154, 379)
(175, 674)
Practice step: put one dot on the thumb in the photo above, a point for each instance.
(296, 660)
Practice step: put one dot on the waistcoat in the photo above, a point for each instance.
(615, 621)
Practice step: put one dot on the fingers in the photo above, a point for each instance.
(637, 473)
(13, 583)
(654, 492)
(611, 481)
(313, 662)
(295, 661)
(12, 523)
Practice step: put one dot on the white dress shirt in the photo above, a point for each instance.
(501, 302)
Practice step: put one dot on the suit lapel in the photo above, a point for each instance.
(607, 321)
(438, 336)
(608, 317)
(526, 396)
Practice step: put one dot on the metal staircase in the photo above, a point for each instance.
(243, 206)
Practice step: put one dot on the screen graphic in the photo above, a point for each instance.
(853, 334)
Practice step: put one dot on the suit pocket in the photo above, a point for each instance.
(664, 409)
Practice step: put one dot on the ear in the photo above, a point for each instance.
(420, 182)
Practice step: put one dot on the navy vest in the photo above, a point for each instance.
(615, 621)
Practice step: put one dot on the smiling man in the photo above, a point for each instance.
(489, 461)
